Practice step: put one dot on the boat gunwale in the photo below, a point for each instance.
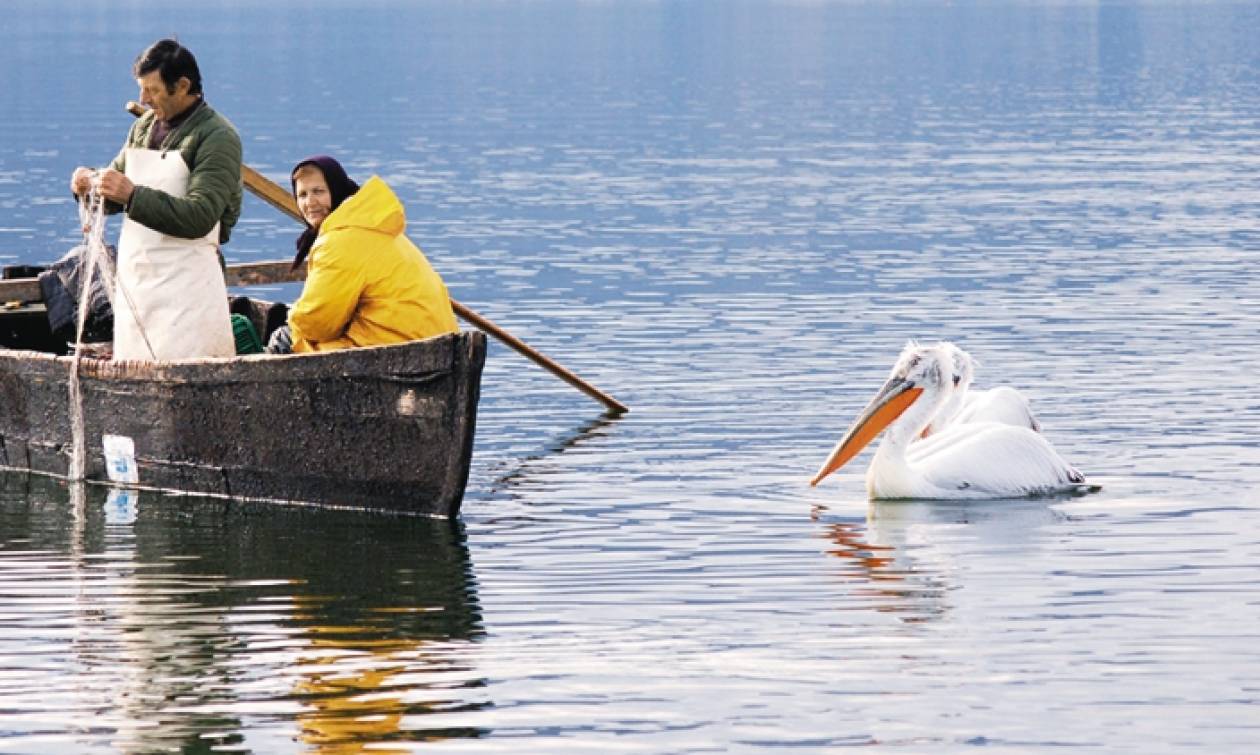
(355, 362)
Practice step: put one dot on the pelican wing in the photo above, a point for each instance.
(998, 461)
(1002, 404)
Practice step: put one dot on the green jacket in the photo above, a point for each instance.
(211, 149)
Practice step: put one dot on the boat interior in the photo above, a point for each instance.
(27, 325)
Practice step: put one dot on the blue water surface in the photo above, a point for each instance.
(731, 216)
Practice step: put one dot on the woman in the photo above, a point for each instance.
(366, 283)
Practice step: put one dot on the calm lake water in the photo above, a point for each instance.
(729, 215)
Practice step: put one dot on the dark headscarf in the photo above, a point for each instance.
(339, 186)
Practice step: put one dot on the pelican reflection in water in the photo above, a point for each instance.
(967, 461)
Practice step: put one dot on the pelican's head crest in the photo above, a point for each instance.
(920, 364)
(962, 364)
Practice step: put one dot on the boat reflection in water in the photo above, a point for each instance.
(178, 622)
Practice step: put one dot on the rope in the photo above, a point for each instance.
(94, 257)
(95, 261)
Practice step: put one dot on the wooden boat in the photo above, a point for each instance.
(386, 428)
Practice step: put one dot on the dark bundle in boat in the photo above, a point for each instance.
(387, 428)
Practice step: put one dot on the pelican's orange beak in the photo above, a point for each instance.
(890, 403)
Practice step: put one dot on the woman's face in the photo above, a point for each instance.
(314, 200)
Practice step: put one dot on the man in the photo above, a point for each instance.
(178, 180)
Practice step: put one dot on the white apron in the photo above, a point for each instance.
(170, 301)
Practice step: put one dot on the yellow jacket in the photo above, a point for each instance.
(366, 283)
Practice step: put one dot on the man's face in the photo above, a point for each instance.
(314, 200)
(153, 93)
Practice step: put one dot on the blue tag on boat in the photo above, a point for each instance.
(120, 458)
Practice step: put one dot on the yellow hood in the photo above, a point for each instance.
(367, 284)
(373, 207)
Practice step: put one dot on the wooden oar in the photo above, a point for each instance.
(271, 193)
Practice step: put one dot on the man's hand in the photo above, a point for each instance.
(115, 186)
(81, 181)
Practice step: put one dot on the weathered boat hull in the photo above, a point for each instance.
(387, 428)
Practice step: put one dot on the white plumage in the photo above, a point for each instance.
(964, 460)
(966, 404)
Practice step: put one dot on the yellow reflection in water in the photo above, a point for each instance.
(349, 691)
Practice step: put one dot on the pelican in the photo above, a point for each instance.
(980, 460)
(1002, 404)
(965, 408)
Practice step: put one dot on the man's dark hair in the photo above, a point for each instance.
(172, 60)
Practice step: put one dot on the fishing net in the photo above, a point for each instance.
(96, 264)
